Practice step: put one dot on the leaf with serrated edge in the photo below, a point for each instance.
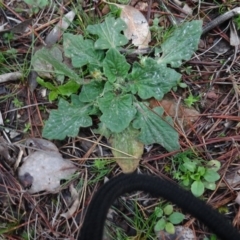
(182, 43)
(118, 111)
(115, 66)
(154, 128)
(152, 79)
(109, 33)
(126, 149)
(66, 120)
(91, 91)
(81, 51)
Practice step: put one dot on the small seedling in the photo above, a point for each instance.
(194, 173)
(167, 218)
(8, 37)
(187, 70)
(17, 103)
(157, 31)
(27, 127)
(63, 90)
(191, 100)
(101, 168)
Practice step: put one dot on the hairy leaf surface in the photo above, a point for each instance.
(156, 129)
(109, 33)
(91, 91)
(81, 51)
(118, 111)
(152, 79)
(115, 66)
(181, 44)
(66, 120)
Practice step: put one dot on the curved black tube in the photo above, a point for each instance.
(92, 228)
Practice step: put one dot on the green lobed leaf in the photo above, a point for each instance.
(61, 68)
(152, 79)
(211, 176)
(176, 218)
(118, 111)
(115, 66)
(82, 52)
(109, 33)
(160, 225)
(155, 128)
(181, 44)
(66, 120)
(197, 188)
(91, 91)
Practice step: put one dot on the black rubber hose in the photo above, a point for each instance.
(92, 228)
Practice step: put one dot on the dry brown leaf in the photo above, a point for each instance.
(233, 178)
(58, 30)
(131, 150)
(75, 205)
(137, 26)
(185, 115)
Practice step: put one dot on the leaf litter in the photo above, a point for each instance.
(214, 134)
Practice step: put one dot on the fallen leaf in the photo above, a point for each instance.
(43, 170)
(185, 115)
(4, 151)
(137, 26)
(75, 205)
(43, 68)
(233, 178)
(58, 30)
(41, 144)
(127, 150)
(19, 28)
